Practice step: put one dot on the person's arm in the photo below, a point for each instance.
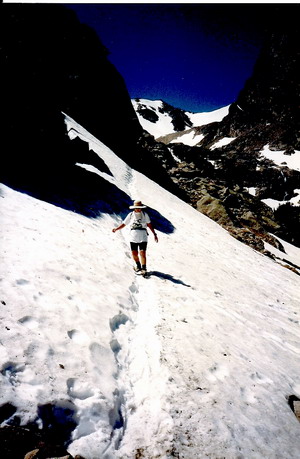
(123, 224)
(153, 231)
(118, 227)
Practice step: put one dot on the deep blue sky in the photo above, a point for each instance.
(193, 56)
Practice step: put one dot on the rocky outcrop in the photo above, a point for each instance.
(217, 184)
(242, 215)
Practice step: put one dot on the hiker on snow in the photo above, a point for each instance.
(138, 220)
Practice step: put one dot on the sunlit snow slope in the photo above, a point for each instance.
(196, 361)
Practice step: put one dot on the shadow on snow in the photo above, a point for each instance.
(75, 189)
(168, 277)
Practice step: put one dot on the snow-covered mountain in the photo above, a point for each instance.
(243, 170)
(162, 120)
(200, 360)
(245, 185)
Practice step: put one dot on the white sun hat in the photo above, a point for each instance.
(138, 205)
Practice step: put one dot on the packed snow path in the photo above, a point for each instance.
(195, 362)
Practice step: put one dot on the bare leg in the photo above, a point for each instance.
(135, 256)
(143, 257)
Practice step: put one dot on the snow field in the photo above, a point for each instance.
(58, 310)
(163, 126)
(231, 320)
(196, 361)
(280, 159)
(189, 139)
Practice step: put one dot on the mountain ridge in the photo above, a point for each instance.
(161, 120)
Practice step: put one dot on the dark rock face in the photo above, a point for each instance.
(179, 118)
(146, 112)
(51, 63)
(267, 108)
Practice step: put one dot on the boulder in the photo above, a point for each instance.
(214, 209)
(297, 409)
